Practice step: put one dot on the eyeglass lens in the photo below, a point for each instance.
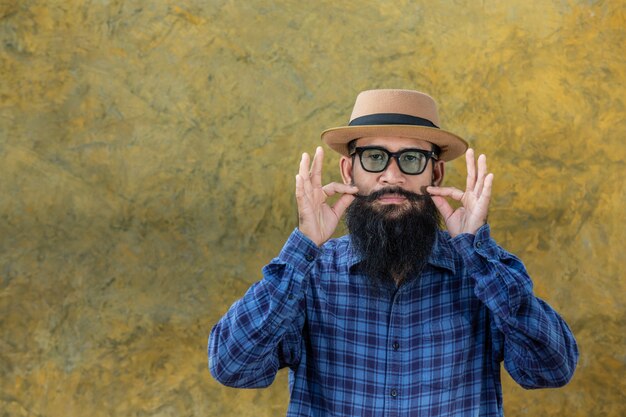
(410, 162)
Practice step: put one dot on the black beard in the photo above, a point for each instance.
(394, 241)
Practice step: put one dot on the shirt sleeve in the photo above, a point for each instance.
(539, 349)
(261, 332)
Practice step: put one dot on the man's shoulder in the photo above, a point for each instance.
(338, 250)
(443, 241)
(339, 244)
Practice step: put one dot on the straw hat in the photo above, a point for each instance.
(404, 113)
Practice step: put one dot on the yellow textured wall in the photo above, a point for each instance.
(147, 157)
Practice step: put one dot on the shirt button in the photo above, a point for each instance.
(290, 296)
(309, 257)
(394, 393)
(395, 345)
(478, 244)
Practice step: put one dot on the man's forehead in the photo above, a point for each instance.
(393, 143)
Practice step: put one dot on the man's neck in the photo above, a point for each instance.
(398, 279)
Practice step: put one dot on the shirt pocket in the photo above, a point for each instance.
(444, 349)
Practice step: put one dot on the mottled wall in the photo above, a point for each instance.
(147, 157)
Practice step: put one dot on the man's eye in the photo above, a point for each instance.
(376, 156)
(412, 157)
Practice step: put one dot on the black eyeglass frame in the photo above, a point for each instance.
(395, 155)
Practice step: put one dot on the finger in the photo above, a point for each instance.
(299, 191)
(481, 209)
(471, 170)
(335, 187)
(451, 192)
(443, 206)
(303, 200)
(316, 167)
(303, 172)
(486, 193)
(482, 172)
(342, 204)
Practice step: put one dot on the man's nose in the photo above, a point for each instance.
(392, 175)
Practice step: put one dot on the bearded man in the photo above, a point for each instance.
(399, 318)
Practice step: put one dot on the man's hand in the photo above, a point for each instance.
(317, 219)
(474, 201)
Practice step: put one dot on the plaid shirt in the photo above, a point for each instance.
(431, 347)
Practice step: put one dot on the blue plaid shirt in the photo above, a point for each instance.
(431, 347)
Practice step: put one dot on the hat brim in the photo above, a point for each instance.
(451, 145)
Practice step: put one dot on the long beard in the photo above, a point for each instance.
(394, 241)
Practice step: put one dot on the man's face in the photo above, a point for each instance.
(392, 223)
(392, 177)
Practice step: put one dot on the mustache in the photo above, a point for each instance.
(411, 196)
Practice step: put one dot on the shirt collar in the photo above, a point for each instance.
(441, 255)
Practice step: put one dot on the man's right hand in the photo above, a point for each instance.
(318, 220)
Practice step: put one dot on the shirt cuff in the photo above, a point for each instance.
(478, 248)
(299, 251)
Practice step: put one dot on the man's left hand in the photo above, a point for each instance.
(474, 200)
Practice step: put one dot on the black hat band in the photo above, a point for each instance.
(391, 119)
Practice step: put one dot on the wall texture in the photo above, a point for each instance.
(147, 157)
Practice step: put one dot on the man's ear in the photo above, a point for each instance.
(439, 170)
(345, 166)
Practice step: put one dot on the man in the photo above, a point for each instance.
(399, 318)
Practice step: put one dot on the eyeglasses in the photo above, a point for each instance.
(410, 161)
